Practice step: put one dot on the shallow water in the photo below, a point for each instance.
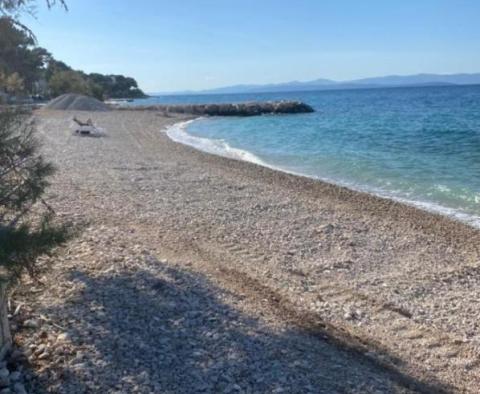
(417, 145)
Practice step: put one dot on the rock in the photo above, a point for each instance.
(44, 355)
(4, 377)
(4, 350)
(40, 349)
(17, 355)
(15, 376)
(31, 323)
(240, 109)
(350, 314)
(63, 337)
(19, 388)
(328, 228)
(80, 366)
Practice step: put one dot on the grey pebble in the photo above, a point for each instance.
(19, 388)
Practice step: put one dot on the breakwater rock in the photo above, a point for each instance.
(240, 109)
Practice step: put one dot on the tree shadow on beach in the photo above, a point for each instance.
(166, 330)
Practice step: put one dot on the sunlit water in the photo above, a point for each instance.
(417, 145)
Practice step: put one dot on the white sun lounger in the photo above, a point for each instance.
(85, 128)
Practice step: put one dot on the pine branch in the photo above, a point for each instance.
(23, 180)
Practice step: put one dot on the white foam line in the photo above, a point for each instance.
(178, 133)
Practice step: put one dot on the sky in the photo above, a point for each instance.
(199, 44)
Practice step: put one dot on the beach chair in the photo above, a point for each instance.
(85, 128)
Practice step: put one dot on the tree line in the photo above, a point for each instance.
(29, 70)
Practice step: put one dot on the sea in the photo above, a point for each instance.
(417, 145)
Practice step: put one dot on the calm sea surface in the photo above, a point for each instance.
(417, 145)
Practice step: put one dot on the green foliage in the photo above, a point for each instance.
(55, 66)
(14, 83)
(62, 79)
(15, 53)
(117, 86)
(23, 179)
(20, 246)
(69, 82)
(19, 55)
(22, 172)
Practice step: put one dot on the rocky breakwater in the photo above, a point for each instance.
(239, 109)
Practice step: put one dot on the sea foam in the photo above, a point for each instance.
(178, 133)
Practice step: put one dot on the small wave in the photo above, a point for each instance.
(469, 219)
(178, 133)
(429, 206)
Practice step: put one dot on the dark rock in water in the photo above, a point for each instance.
(241, 109)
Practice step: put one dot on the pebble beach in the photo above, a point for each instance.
(196, 273)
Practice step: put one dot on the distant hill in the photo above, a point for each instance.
(422, 79)
(364, 83)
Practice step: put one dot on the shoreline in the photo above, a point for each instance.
(424, 207)
(399, 282)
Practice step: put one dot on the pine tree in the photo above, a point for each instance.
(26, 227)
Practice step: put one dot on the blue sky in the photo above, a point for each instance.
(197, 44)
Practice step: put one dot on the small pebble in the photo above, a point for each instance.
(63, 337)
(19, 388)
(31, 323)
(15, 376)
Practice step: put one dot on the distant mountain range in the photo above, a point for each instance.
(365, 83)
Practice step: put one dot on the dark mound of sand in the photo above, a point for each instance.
(77, 102)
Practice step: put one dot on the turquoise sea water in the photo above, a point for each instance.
(417, 145)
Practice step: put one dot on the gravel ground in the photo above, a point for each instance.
(194, 273)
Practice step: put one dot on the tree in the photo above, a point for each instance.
(54, 66)
(24, 233)
(14, 47)
(14, 84)
(69, 82)
(117, 86)
(26, 229)
(19, 55)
